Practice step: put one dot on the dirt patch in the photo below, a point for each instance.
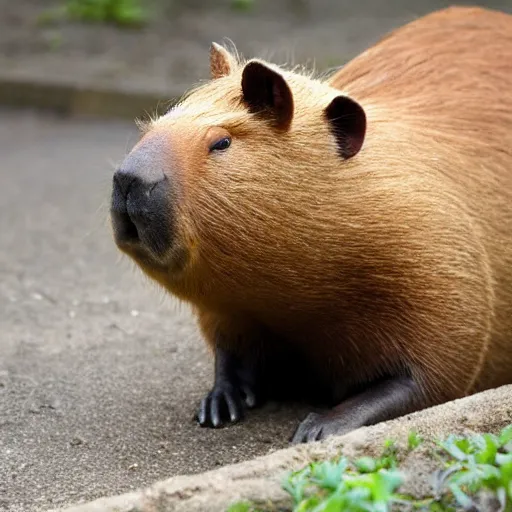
(259, 480)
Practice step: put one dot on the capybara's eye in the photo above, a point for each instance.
(221, 144)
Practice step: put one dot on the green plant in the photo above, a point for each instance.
(476, 464)
(472, 467)
(242, 5)
(338, 485)
(122, 12)
(413, 440)
(242, 506)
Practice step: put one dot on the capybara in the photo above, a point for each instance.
(342, 239)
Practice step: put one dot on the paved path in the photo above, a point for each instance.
(99, 373)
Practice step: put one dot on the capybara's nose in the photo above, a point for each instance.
(124, 178)
(138, 190)
(140, 208)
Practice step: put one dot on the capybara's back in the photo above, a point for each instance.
(444, 83)
(346, 238)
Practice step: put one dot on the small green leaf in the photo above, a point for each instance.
(384, 484)
(295, 485)
(487, 448)
(436, 506)
(414, 440)
(506, 435)
(366, 464)
(482, 475)
(454, 448)
(308, 504)
(462, 498)
(328, 475)
(504, 459)
(394, 479)
(241, 506)
(332, 504)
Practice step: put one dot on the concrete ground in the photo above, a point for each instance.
(99, 374)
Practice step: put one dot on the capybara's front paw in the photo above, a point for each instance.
(225, 403)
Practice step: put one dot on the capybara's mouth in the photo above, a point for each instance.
(142, 244)
(125, 230)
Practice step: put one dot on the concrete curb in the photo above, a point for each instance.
(86, 100)
(259, 479)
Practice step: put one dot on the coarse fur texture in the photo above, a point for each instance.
(358, 230)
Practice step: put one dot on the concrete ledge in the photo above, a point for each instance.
(260, 479)
(68, 98)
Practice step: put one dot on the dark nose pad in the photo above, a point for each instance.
(123, 180)
(140, 206)
(136, 181)
(136, 191)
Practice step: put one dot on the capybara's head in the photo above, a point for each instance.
(235, 191)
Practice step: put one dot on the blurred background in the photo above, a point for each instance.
(100, 372)
(162, 45)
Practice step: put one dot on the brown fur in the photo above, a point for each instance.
(400, 257)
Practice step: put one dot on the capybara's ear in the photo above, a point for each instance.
(221, 61)
(266, 92)
(347, 120)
